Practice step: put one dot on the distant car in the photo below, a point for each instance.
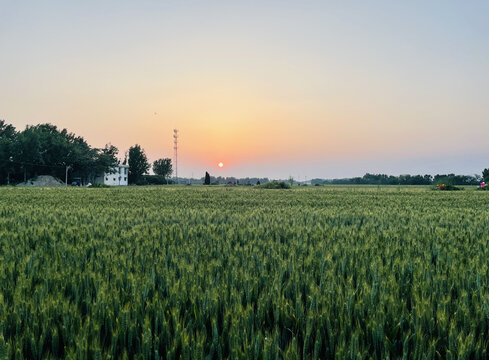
(76, 182)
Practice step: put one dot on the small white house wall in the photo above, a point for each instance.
(117, 178)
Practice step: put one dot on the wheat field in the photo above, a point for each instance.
(243, 273)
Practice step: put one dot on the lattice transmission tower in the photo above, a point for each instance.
(175, 150)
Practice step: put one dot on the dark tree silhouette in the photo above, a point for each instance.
(485, 175)
(207, 180)
(46, 150)
(138, 164)
(162, 167)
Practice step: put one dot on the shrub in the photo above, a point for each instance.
(99, 185)
(153, 180)
(274, 185)
(445, 187)
(483, 186)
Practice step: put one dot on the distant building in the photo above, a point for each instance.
(118, 177)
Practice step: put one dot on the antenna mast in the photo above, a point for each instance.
(175, 149)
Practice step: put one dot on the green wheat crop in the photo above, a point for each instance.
(244, 273)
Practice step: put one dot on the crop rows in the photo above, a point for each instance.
(243, 273)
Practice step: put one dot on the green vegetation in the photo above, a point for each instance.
(138, 164)
(274, 185)
(46, 150)
(447, 187)
(383, 179)
(163, 167)
(154, 180)
(485, 175)
(99, 185)
(215, 272)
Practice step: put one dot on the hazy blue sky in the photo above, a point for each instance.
(270, 88)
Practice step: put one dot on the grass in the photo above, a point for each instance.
(219, 272)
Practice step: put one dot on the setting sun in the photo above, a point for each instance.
(220, 164)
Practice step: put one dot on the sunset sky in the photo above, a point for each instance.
(270, 88)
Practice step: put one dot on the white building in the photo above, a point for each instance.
(117, 177)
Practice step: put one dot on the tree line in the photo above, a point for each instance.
(383, 179)
(46, 150)
(139, 168)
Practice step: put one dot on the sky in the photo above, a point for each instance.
(270, 88)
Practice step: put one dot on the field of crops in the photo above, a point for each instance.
(244, 273)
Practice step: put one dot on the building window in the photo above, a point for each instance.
(125, 179)
(114, 179)
(106, 179)
(125, 171)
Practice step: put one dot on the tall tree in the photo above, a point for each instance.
(45, 150)
(138, 164)
(207, 180)
(6, 130)
(7, 139)
(163, 167)
(106, 159)
(485, 175)
(27, 152)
